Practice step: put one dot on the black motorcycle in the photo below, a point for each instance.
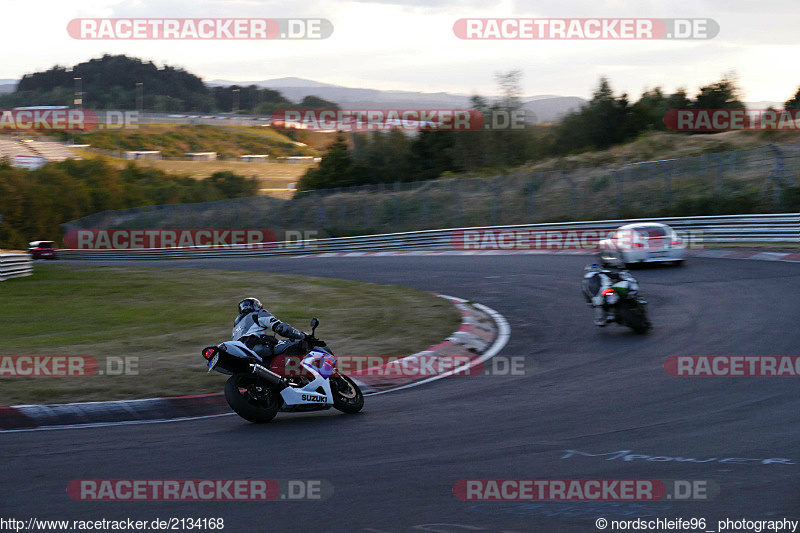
(621, 301)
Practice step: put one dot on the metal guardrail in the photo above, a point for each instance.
(15, 266)
(705, 229)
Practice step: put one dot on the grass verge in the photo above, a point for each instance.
(164, 317)
(270, 175)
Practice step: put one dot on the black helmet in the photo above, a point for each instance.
(250, 305)
(612, 261)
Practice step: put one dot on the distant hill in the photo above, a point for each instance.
(122, 82)
(547, 108)
(550, 109)
(8, 86)
(277, 83)
(110, 82)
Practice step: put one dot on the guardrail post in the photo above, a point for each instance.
(778, 177)
(530, 188)
(619, 179)
(458, 210)
(340, 213)
(666, 171)
(297, 215)
(495, 190)
(573, 193)
(780, 165)
(366, 215)
(322, 217)
(237, 218)
(718, 184)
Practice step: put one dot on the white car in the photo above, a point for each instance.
(648, 242)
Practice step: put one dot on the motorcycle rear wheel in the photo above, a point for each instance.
(251, 398)
(347, 397)
(634, 315)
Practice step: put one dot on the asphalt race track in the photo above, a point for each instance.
(590, 390)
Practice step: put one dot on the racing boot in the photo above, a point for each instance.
(599, 316)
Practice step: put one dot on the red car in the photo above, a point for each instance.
(42, 250)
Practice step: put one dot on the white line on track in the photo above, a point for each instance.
(503, 335)
(111, 424)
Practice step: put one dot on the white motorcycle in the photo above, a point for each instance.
(257, 392)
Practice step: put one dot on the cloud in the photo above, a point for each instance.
(410, 45)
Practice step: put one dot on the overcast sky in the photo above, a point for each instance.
(410, 44)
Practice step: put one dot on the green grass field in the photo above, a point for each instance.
(165, 316)
(173, 140)
(273, 178)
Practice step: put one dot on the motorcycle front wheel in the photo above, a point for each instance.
(347, 397)
(251, 398)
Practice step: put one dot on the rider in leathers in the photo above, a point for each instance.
(251, 327)
(597, 278)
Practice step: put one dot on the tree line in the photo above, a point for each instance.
(604, 121)
(33, 204)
